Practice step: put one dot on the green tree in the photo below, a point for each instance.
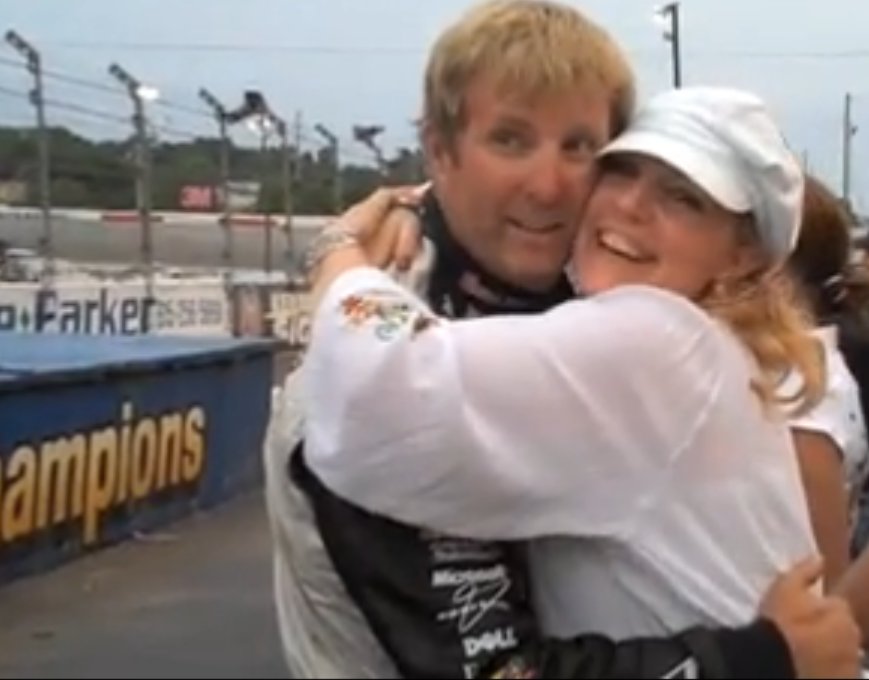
(102, 174)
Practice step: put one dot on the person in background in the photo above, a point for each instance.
(834, 451)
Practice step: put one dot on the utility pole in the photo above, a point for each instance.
(265, 125)
(848, 132)
(294, 185)
(297, 149)
(289, 173)
(138, 94)
(220, 116)
(334, 159)
(263, 120)
(37, 98)
(669, 15)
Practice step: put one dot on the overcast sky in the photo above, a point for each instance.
(342, 62)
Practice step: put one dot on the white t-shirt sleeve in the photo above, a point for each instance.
(511, 426)
(838, 414)
(827, 417)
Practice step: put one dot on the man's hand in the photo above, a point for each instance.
(821, 631)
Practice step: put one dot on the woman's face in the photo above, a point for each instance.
(646, 223)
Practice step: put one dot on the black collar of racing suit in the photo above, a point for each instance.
(460, 287)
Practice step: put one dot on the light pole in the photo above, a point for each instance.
(263, 121)
(288, 179)
(221, 116)
(848, 132)
(261, 125)
(335, 160)
(367, 136)
(667, 17)
(139, 94)
(34, 66)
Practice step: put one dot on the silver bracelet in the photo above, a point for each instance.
(332, 237)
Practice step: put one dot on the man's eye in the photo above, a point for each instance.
(509, 140)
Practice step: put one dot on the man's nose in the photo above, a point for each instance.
(550, 179)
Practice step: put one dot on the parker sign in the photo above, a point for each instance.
(116, 308)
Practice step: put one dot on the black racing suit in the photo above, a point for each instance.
(445, 607)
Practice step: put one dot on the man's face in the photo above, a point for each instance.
(514, 181)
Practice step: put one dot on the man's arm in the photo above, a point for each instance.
(757, 651)
(797, 634)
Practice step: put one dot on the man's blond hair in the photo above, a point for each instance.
(531, 48)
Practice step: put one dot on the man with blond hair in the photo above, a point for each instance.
(519, 97)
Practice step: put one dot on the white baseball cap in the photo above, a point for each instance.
(726, 141)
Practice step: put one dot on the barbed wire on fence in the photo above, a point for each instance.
(100, 114)
(105, 88)
(308, 136)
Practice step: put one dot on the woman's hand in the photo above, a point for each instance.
(382, 230)
(821, 632)
(387, 226)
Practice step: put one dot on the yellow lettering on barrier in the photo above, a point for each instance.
(101, 476)
(20, 499)
(61, 480)
(171, 427)
(85, 475)
(144, 458)
(124, 462)
(194, 445)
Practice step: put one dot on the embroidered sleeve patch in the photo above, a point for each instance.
(386, 314)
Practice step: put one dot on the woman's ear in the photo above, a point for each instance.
(747, 259)
(748, 256)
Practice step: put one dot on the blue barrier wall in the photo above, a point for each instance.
(101, 437)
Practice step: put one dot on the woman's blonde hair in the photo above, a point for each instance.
(767, 312)
(530, 47)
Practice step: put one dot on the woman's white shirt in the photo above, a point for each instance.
(839, 415)
(619, 430)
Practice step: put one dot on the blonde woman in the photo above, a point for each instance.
(636, 437)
